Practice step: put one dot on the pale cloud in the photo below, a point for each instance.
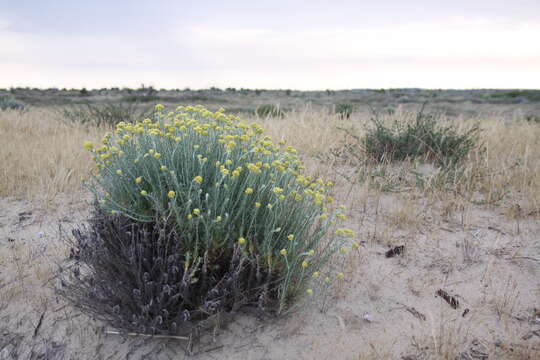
(452, 38)
(455, 52)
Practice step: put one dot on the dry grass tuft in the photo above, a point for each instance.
(41, 156)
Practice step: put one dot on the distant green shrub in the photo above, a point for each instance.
(344, 110)
(533, 119)
(422, 138)
(101, 114)
(141, 98)
(269, 111)
(10, 103)
(529, 95)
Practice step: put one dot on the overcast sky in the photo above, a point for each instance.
(303, 44)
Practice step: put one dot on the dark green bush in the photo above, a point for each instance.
(535, 119)
(344, 110)
(10, 103)
(422, 138)
(269, 111)
(101, 114)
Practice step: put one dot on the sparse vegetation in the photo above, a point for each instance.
(462, 229)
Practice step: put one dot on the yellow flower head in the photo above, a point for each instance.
(157, 155)
(143, 192)
(305, 264)
(257, 204)
(309, 291)
(119, 172)
(249, 191)
(138, 180)
(197, 211)
(343, 250)
(269, 206)
(277, 190)
(171, 194)
(159, 107)
(241, 241)
(283, 252)
(290, 237)
(198, 179)
(340, 275)
(316, 274)
(355, 245)
(163, 168)
(88, 145)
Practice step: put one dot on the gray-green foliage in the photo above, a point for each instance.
(344, 110)
(269, 110)
(422, 138)
(108, 113)
(10, 103)
(221, 184)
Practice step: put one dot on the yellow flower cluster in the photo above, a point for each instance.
(231, 132)
(256, 165)
(345, 232)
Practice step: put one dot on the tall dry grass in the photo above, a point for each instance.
(42, 155)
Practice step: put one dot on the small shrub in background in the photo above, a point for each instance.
(108, 114)
(10, 103)
(197, 213)
(422, 138)
(137, 98)
(535, 119)
(344, 110)
(267, 110)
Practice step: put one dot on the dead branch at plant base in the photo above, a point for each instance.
(112, 332)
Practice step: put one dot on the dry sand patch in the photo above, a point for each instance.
(387, 307)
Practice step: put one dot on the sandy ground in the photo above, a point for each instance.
(387, 308)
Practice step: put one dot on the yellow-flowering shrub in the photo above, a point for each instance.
(234, 207)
